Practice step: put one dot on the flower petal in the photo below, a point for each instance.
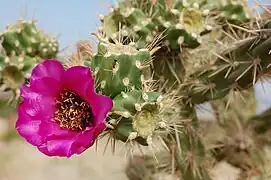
(47, 86)
(28, 127)
(100, 106)
(57, 147)
(87, 139)
(52, 130)
(79, 79)
(40, 107)
(48, 68)
(26, 92)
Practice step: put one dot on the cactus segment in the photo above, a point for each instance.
(24, 38)
(118, 67)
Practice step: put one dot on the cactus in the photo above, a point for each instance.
(121, 72)
(234, 11)
(23, 46)
(15, 70)
(183, 23)
(118, 67)
(170, 57)
(24, 38)
(208, 51)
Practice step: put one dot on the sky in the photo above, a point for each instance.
(74, 21)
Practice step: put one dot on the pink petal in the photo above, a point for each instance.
(79, 79)
(52, 130)
(28, 127)
(26, 91)
(40, 107)
(30, 131)
(98, 130)
(57, 147)
(48, 68)
(100, 106)
(47, 86)
(87, 139)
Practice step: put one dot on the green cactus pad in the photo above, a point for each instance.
(24, 38)
(245, 64)
(233, 12)
(118, 67)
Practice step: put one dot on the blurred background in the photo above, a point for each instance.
(72, 21)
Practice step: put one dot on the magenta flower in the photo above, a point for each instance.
(61, 113)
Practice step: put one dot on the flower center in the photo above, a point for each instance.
(72, 112)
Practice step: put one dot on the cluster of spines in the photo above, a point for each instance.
(237, 69)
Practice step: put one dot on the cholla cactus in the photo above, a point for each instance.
(24, 38)
(170, 56)
(208, 51)
(139, 112)
(23, 47)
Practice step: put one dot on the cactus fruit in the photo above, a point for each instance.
(137, 114)
(24, 38)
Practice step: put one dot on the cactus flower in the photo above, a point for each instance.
(61, 113)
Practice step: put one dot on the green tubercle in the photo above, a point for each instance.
(118, 67)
